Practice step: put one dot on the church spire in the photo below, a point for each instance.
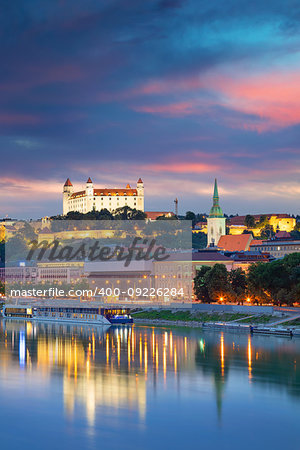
(216, 222)
(216, 210)
(216, 194)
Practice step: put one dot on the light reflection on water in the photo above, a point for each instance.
(136, 387)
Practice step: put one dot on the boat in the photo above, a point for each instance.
(72, 314)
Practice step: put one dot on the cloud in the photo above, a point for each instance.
(179, 109)
(19, 119)
(181, 167)
(266, 101)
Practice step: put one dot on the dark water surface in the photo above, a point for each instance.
(76, 387)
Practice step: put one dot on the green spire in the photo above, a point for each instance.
(216, 210)
(216, 194)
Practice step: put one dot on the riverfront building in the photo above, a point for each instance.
(277, 247)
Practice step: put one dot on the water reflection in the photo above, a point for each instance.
(120, 367)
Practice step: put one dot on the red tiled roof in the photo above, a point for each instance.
(140, 180)
(251, 256)
(256, 242)
(235, 243)
(89, 180)
(107, 192)
(282, 235)
(209, 255)
(153, 215)
(201, 224)
(200, 256)
(119, 192)
(68, 182)
(77, 194)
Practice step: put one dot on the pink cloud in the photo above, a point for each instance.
(18, 119)
(173, 109)
(32, 76)
(182, 167)
(167, 86)
(23, 187)
(271, 98)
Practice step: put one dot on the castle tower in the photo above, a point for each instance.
(216, 222)
(140, 195)
(89, 192)
(67, 192)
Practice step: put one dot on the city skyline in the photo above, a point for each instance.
(177, 93)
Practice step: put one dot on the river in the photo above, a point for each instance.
(140, 387)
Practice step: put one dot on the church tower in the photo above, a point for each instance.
(67, 192)
(216, 222)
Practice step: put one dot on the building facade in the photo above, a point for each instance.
(277, 247)
(278, 222)
(104, 198)
(216, 222)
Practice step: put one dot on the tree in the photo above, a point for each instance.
(127, 213)
(263, 220)
(2, 252)
(189, 215)
(167, 218)
(27, 232)
(238, 282)
(218, 283)
(199, 240)
(249, 221)
(201, 217)
(297, 226)
(295, 234)
(2, 288)
(256, 282)
(137, 214)
(267, 232)
(276, 282)
(15, 249)
(200, 285)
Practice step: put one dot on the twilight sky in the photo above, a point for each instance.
(176, 92)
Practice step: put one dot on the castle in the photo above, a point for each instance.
(103, 198)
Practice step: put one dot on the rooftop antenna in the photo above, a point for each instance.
(176, 206)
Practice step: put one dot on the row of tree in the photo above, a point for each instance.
(123, 213)
(277, 282)
(2, 288)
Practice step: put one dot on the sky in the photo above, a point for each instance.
(175, 92)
